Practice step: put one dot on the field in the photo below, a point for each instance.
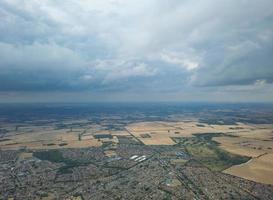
(259, 169)
(242, 141)
(219, 147)
(50, 138)
(256, 143)
(161, 132)
(208, 153)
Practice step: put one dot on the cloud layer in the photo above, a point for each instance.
(120, 46)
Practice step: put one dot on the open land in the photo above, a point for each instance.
(113, 157)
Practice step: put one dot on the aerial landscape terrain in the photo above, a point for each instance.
(136, 100)
(136, 151)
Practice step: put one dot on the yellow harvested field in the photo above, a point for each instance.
(87, 137)
(48, 140)
(242, 151)
(114, 139)
(68, 144)
(257, 169)
(158, 141)
(178, 161)
(245, 146)
(161, 132)
(148, 126)
(258, 133)
(84, 143)
(119, 133)
(257, 143)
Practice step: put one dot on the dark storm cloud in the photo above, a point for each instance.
(135, 46)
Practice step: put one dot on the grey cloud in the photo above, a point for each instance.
(120, 45)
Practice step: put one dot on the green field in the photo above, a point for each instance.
(207, 152)
(57, 156)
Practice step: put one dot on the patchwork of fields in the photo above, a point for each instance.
(244, 150)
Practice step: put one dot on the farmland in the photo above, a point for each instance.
(190, 156)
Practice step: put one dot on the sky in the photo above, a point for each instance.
(136, 50)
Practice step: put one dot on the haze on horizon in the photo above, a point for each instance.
(136, 50)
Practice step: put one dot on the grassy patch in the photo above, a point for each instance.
(203, 149)
(57, 157)
(50, 155)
